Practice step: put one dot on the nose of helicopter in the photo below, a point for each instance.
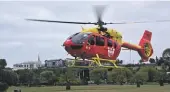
(67, 43)
(72, 48)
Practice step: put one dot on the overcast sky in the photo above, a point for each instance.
(22, 40)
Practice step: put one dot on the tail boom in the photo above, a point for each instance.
(144, 48)
(131, 46)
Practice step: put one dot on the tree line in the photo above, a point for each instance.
(60, 76)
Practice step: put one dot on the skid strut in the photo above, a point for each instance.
(94, 63)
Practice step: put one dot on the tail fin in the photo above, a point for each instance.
(146, 50)
(147, 35)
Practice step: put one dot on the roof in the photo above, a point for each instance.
(53, 60)
(31, 62)
(28, 62)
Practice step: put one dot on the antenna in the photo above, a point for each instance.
(39, 61)
(130, 51)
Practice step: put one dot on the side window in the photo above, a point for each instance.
(91, 40)
(109, 43)
(99, 41)
(115, 45)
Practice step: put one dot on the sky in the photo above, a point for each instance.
(22, 40)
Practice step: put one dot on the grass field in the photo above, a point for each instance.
(97, 88)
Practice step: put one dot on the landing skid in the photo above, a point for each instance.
(95, 62)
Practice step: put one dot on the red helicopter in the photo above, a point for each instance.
(100, 46)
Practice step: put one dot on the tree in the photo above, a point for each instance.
(36, 80)
(168, 78)
(69, 76)
(151, 60)
(160, 61)
(3, 63)
(10, 77)
(157, 59)
(112, 75)
(97, 75)
(120, 75)
(48, 77)
(166, 65)
(3, 86)
(160, 77)
(140, 61)
(118, 61)
(62, 79)
(140, 77)
(128, 74)
(151, 72)
(7, 77)
(25, 76)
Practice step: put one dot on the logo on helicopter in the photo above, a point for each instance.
(110, 51)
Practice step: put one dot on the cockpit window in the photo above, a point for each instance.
(80, 38)
(72, 36)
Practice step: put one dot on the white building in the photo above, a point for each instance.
(28, 65)
(54, 63)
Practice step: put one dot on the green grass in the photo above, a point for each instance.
(97, 88)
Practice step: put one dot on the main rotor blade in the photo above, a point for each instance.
(99, 9)
(53, 21)
(139, 22)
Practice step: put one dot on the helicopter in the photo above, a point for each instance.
(100, 46)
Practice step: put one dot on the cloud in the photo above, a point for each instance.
(13, 44)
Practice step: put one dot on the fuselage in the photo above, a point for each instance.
(87, 44)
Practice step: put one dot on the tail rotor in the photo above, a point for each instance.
(146, 50)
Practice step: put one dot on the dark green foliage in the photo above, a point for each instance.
(118, 62)
(168, 78)
(160, 76)
(161, 83)
(26, 76)
(70, 76)
(135, 74)
(151, 60)
(140, 77)
(120, 75)
(68, 86)
(151, 72)
(138, 84)
(9, 77)
(98, 75)
(166, 65)
(3, 86)
(3, 63)
(140, 61)
(159, 61)
(36, 77)
(48, 77)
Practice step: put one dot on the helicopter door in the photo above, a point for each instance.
(90, 45)
(100, 46)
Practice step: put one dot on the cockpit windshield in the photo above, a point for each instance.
(79, 38)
